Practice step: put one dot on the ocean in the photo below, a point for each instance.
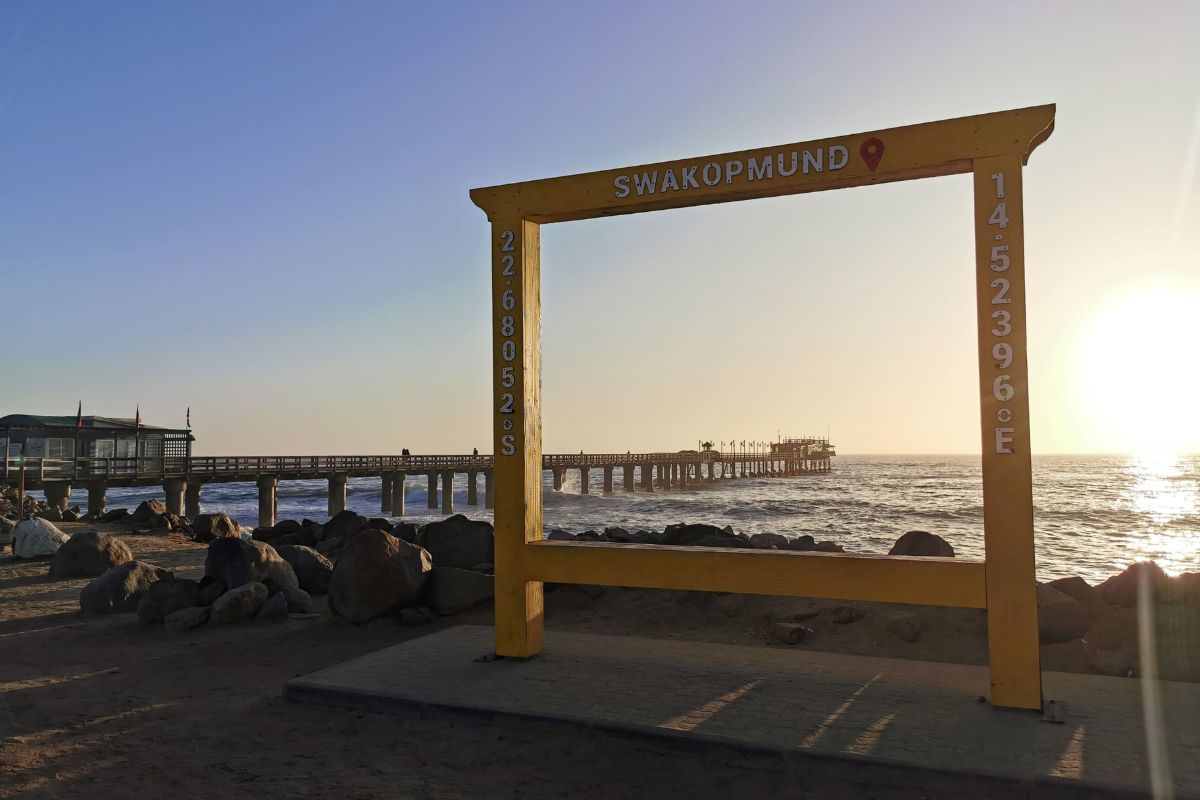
(1094, 515)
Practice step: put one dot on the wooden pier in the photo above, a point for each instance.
(183, 478)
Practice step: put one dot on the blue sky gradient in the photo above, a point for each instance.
(260, 210)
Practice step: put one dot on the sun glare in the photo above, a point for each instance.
(1138, 365)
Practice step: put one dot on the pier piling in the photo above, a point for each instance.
(267, 489)
(398, 493)
(58, 494)
(447, 493)
(337, 493)
(191, 500)
(173, 489)
(97, 498)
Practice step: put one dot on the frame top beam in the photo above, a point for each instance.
(926, 150)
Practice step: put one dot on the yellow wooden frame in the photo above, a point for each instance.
(994, 148)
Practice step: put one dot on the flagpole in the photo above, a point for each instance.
(78, 425)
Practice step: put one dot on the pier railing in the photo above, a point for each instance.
(229, 468)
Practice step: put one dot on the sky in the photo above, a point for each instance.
(260, 210)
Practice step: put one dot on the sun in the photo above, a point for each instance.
(1140, 364)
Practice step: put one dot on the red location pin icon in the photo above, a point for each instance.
(872, 152)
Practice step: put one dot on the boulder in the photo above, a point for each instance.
(37, 538)
(209, 590)
(344, 525)
(452, 591)
(828, 547)
(51, 514)
(647, 537)
(287, 527)
(70, 515)
(1121, 663)
(1116, 629)
(844, 615)
(312, 569)
(767, 541)
(557, 535)
(298, 600)
(414, 616)
(147, 513)
(88, 554)
(791, 632)
(236, 561)
(1073, 656)
(1082, 591)
(803, 543)
(720, 540)
(275, 609)
(922, 543)
(120, 589)
(377, 573)
(1122, 590)
(330, 546)
(379, 524)
(207, 527)
(165, 598)
(683, 534)
(7, 526)
(1061, 618)
(619, 535)
(114, 515)
(239, 604)
(187, 618)
(905, 626)
(458, 542)
(407, 532)
(587, 536)
(269, 565)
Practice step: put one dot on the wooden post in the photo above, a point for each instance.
(517, 429)
(1004, 419)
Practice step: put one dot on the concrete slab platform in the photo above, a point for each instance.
(878, 721)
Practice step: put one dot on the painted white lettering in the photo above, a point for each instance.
(839, 156)
(759, 169)
(621, 182)
(795, 165)
(711, 174)
(1003, 440)
(814, 162)
(689, 177)
(732, 170)
(669, 182)
(645, 182)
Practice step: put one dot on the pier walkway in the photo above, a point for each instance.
(183, 478)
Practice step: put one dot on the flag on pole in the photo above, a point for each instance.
(189, 418)
(79, 416)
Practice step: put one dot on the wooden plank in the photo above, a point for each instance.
(1004, 422)
(896, 579)
(946, 147)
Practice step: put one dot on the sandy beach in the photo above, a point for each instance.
(89, 703)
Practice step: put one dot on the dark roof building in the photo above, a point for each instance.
(41, 436)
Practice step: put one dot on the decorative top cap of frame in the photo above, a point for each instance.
(895, 154)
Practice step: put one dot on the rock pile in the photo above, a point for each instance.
(9, 497)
